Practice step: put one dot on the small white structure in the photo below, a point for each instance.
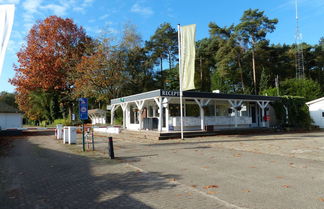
(316, 111)
(97, 116)
(10, 117)
(59, 131)
(69, 134)
(72, 134)
(65, 135)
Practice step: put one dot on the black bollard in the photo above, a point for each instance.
(111, 148)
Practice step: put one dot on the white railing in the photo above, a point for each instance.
(210, 120)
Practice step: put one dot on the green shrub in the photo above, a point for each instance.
(298, 113)
(65, 122)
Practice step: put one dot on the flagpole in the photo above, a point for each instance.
(180, 82)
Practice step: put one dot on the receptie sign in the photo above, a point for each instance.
(83, 108)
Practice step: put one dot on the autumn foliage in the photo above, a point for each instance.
(47, 62)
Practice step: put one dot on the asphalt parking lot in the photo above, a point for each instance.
(249, 171)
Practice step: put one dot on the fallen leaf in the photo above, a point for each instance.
(194, 186)
(172, 179)
(205, 167)
(237, 155)
(211, 192)
(252, 167)
(279, 177)
(210, 186)
(321, 199)
(246, 190)
(285, 186)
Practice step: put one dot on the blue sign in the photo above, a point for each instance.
(83, 108)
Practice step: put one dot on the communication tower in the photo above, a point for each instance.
(300, 68)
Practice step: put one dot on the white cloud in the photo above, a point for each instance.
(9, 1)
(103, 17)
(145, 11)
(59, 10)
(32, 6)
(83, 5)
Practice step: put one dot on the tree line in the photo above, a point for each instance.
(60, 63)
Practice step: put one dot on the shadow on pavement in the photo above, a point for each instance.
(54, 179)
(38, 133)
(230, 140)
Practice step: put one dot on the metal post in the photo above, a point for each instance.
(111, 148)
(83, 144)
(92, 135)
(180, 82)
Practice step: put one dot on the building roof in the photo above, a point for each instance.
(5, 108)
(190, 94)
(315, 101)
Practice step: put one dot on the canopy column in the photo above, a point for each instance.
(165, 104)
(158, 101)
(263, 105)
(124, 107)
(140, 105)
(112, 113)
(235, 105)
(202, 103)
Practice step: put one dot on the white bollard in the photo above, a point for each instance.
(59, 131)
(72, 134)
(65, 134)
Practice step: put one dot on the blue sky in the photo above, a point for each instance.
(95, 15)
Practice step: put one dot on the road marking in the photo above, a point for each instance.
(223, 202)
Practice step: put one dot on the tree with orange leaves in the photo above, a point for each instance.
(48, 61)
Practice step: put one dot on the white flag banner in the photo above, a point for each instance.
(6, 22)
(187, 56)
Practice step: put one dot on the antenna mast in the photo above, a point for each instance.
(300, 68)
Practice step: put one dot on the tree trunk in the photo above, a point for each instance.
(241, 74)
(254, 72)
(170, 60)
(70, 112)
(161, 65)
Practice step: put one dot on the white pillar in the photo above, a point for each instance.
(263, 105)
(165, 103)
(202, 118)
(124, 107)
(234, 105)
(140, 105)
(112, 112)
(154, 111)
(201, 103)
(159, 103)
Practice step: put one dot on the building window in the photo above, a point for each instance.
(323, 114)
(174, 110)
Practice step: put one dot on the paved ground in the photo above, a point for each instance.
(266, 171)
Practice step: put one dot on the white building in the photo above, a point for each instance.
(316, 111)
(160, 110)
(97, 116)
(10, 117)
